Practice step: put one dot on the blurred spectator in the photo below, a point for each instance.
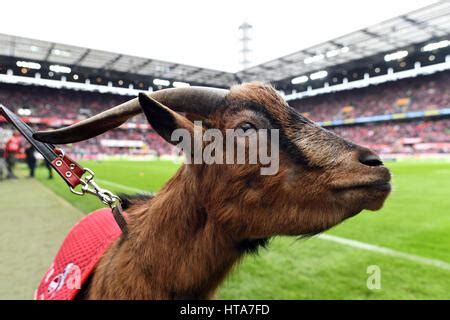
(12, 148)
(2, 160)
(49, 168)
(30, 159)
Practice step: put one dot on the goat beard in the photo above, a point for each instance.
(310, 222)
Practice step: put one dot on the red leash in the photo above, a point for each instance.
(71, 171)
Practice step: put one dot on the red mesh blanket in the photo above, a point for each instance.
(79, 254)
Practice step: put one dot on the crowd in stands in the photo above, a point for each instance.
(401, 137)
(416, 94)
(413, 94)
(60, 103)
(153, 144)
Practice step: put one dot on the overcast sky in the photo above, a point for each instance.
(202, 33)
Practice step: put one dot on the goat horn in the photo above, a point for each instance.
(196, 100)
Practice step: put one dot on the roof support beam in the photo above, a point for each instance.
(358, 49)
(237, 78)
(385, 39)
(49, 52)
(136, 68)
(12, 47)
(287, 61)
(422, 25)
(111, 62)
(193, 73)
(164, 72)
(82, 57)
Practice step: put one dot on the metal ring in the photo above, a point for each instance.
(90, 187)
(72, 166)
(58, 163)
(89, 171)
(61, 151)
(91, 175)
(78, 193)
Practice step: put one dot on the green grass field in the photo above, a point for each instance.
(415, 221)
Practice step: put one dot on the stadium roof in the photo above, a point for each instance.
(415, 27)
(55, 53)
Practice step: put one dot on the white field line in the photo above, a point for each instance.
(121, 186)
(386, 251)
(348, 242)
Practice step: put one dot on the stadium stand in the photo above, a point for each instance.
(393, 116)
(413, 137)
(45, 107)
(414, 94)
(63, 104)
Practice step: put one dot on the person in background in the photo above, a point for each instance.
(2, 160)
(49, 168)
(12, 149)
(30, 159)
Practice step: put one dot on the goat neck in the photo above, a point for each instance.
(174, 250)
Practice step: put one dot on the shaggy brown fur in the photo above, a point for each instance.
(183, 242)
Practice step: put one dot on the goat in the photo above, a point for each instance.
(183, 242)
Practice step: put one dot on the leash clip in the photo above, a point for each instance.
(68, 169)
(89, 186)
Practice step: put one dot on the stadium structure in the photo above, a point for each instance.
(385, 86)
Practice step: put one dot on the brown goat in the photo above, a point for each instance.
(183, 242)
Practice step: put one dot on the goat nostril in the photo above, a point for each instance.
(370, 159)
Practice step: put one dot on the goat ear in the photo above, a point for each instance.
(162, 119)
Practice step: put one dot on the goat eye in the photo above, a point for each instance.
(246, 127)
